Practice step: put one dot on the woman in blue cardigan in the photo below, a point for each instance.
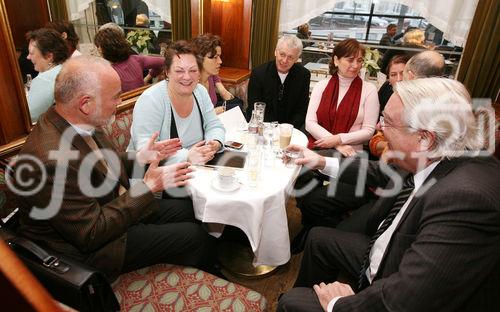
(181, 108)
(47, 52)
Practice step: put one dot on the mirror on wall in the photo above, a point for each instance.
(147, 25)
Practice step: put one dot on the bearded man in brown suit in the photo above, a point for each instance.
(74, 187)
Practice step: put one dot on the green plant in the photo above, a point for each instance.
(139, 40)
(370, 61)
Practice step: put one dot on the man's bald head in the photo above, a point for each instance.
(81, 75)
(424, 64)
(87, 91)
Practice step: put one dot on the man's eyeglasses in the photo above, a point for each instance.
(281, 92)
(383, 124)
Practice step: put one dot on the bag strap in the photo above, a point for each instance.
(48, 260)
(24, 283)
(173, 127)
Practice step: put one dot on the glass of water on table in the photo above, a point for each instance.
(252, 167)
(289, 158)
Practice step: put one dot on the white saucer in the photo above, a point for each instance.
(231, 188)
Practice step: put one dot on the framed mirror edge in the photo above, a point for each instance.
(11, 144)
(14, 69)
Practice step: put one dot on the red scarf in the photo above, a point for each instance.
(338, 118)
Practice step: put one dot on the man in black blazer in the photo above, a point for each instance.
(433, 245)
(282, 84)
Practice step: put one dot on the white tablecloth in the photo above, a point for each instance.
(260, 212)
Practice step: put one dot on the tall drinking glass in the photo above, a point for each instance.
(252, 167)
(285, 135)
(268, 134)
(260, 107)
(268, 144)
(276, 138)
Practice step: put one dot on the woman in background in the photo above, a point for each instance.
(394, 74)
(342, 115)
(67, 31)
(343, 110)
(413, 39)
(304, 34)
(47, 51)
(115, 48)
(208, 47)
(378, 143)
(179, 107)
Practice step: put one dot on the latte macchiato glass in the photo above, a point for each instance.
(285, 135)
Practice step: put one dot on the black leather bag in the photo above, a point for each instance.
(69, 282)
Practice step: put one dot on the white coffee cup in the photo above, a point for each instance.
(226, 177)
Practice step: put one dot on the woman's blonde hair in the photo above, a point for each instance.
(414, 36)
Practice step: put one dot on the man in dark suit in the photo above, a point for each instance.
(283, 84)
(320, 207)
(432, 244)
(76, 197)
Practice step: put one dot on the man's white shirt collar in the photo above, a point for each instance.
(81, 131)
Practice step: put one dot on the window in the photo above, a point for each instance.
(366, 20)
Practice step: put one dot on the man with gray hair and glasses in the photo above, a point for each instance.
(283, 84)
(433, 238)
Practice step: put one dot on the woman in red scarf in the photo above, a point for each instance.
(344, 109)
(342, 115)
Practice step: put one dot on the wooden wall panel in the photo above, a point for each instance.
(230, 19)
(246, 32)
(14, 116)
(195, 18)
(25, 15)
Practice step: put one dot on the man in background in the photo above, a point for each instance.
(423, 65)
(388, 38)
(283, 84)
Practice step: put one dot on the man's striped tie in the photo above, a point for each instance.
(401, 199)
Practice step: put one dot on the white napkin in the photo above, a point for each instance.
(233, 119)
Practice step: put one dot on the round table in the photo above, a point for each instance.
(260, 212)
